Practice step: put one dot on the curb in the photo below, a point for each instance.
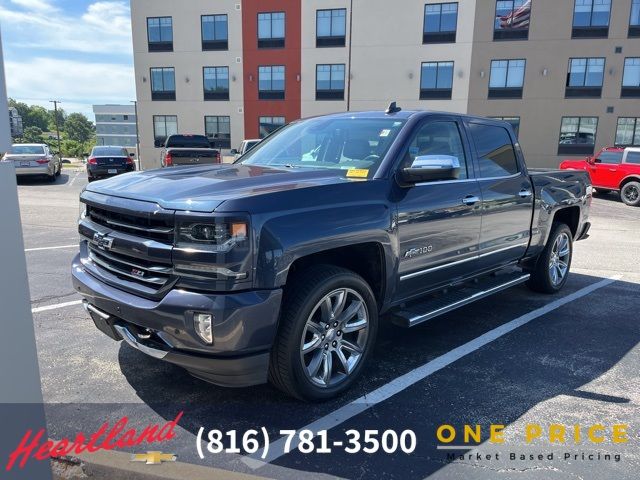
(103, 465)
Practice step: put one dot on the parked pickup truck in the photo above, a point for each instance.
(245, 146)
(188, 150)
(613, 169)
(281, 266)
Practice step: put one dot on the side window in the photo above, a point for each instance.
(438, 139)
(633, 157)
(496, 155)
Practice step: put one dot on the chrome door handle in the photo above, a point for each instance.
(613, 169)
(470, 200)
(524, 193)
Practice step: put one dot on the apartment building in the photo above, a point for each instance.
(115, 125)
(565, 74)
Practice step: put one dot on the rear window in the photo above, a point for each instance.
(109, 152)
(633, 157)
(27, 150)
(610, 157)
(496, 155)
(188, 141)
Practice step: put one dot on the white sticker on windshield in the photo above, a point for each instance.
(385, 132)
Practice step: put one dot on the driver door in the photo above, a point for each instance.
(439, 222)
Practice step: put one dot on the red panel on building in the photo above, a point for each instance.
(254, 57)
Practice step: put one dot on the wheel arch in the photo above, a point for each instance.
(629, 178)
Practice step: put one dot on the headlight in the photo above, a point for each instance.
(220, 236)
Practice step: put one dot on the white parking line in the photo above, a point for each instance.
(75, 245)
(74, 178)
(359, 405)
(56, 306)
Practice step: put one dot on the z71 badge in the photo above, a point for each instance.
(414, 252)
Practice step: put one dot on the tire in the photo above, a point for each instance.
(543, 279)
(59, 171)
(630, 194)
(52, 177)
(301, 323)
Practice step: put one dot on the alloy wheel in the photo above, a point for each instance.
(559, 262)
(334, 337)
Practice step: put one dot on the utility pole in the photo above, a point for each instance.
(135, 112)
(55, 107)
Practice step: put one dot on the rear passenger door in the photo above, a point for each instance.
(438, 221)
(507, 194)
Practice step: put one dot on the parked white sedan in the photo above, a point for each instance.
(34, 159)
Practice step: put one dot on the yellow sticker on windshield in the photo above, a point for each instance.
(357, 173)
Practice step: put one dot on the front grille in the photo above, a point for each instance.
(159, 229)
(151, 276)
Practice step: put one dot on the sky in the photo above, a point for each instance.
(75, 51)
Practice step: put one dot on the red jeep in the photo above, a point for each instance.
(612, 168)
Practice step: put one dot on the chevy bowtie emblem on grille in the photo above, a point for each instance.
(102, 241)
(153, 458)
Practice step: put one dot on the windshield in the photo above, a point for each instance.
(109, 152)
(338, 143)
(27, 150)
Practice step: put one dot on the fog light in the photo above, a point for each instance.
(202, 324)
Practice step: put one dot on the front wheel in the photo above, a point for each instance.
(326, 333)
(552, 268)
(630, 194)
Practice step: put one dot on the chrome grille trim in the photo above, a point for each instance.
(114, 223)
(156, 281)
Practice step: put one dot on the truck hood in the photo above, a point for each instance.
(204, 188)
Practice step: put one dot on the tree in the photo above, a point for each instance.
(62, 117)
(31, 135)
(71, 148)
(78, 128)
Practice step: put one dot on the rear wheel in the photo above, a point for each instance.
(59, 171)
(630, 194)
(552, 268)
(327, 330)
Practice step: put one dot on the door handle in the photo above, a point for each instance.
(470, 200)
(524, 193)
(613, 169)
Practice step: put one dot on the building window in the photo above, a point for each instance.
(218, 131)
(628, 132)
(584, 78)
(271, 30)
(330, 82)
(440, 23)
(163, 126)
(512, 20)
(271, 82)
(216, 83)
(160, 34)
(215, 32)
(507, 78)
(331, 27)
(436, 80)
(495, 152)
(577, 135)
(631, 78)
(268, 125)
(634, 19)
(591, 18)
(163, 84)
(513, 121)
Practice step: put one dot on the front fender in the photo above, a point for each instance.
(284, 239)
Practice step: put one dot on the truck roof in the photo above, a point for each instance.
(405, 115)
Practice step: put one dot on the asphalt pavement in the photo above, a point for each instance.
(513, 359)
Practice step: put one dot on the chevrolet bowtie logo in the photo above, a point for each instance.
(153, 458)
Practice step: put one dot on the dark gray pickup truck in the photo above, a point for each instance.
(281, 266)
(188, 150)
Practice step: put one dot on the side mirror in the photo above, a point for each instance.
(132, 155)
(85, 154)
(429, 168)
(158, 143)
(233, 151)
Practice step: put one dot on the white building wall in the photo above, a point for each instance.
(188, 59)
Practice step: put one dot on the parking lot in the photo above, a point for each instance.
(512, 359)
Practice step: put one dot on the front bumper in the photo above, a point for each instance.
(244, 327)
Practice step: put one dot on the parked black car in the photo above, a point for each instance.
(281, 265)
(109, 161)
